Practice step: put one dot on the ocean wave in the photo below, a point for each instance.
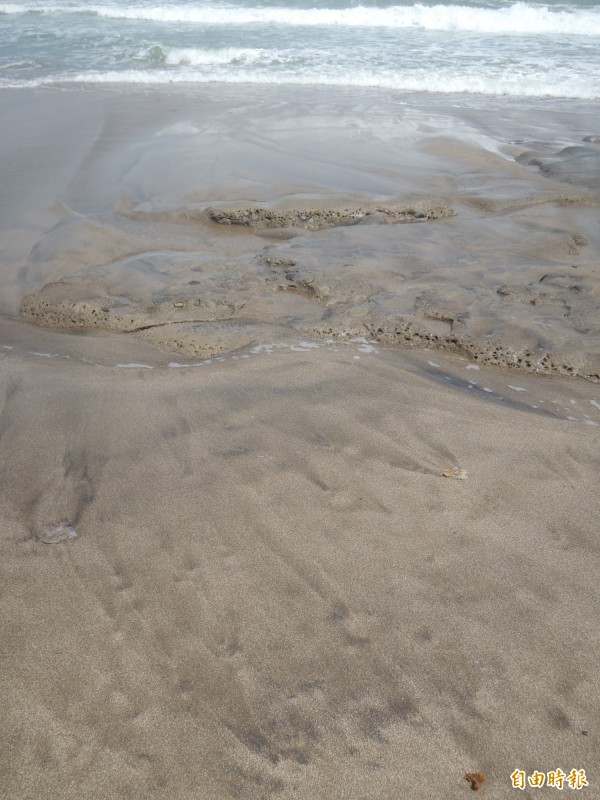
(518, 18)
(532, 85)
(198, 57)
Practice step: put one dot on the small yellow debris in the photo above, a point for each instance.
(476, 779)
(458, 473)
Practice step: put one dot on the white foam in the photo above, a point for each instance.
(472, 366)
(134, 366)
(195, 56)
(179, 129)
(268, 347)
(531, 82)
(517, 388)
(518, 18)
(595, 403)
(364, 345)
(177, 365)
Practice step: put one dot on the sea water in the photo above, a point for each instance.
(520, 49)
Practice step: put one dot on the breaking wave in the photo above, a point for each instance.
(518, 18)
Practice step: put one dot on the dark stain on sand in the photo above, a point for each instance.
(339, 613)
(374, 720)
(424, 635)
(559, 719)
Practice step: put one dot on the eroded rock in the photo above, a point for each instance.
(320, 217)
(74, 303)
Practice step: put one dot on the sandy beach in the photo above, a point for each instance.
(300, 425)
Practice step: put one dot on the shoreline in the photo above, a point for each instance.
(218, 212)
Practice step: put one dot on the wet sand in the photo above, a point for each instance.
(243, 337)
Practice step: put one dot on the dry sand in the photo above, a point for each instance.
(274, 592)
